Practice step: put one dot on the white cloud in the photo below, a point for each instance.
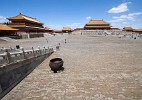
(124, 18)
(134, 25)
(74, 24)
(88, 17)
(125, 22)
(3, 19)
(135, 14)
(137, 26)
(120, 8)
(116, 20)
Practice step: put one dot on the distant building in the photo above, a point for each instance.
(58, 31)
(7, 31)
(26, 24)
(77, 29)
(97, 25)
(138, 31)
(66, 29)
(130, 29)
(48, 30)
(115, 29)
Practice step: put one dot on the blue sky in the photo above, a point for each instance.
(75, 13)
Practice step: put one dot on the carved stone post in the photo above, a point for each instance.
(24, 56)
(44, 50)
(2, 49)
(33, 52)
(8, 56)
(10, 48)
(39, 50)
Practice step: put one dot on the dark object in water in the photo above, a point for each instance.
(56, 64)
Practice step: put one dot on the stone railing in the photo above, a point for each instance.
(9, 57)
(15, 66)
(10, 49)
(111, 32)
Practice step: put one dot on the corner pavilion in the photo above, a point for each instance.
(97, 25)
(26, 24)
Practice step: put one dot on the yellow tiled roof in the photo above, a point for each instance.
(21, 16)
(128, 28)
(66, 29)
(57, 31)
(137, 30)
(6, 28)
(17, 26)
(97, 26)
(96, 22)
(47, 28)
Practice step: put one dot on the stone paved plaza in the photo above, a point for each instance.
(96, 68)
